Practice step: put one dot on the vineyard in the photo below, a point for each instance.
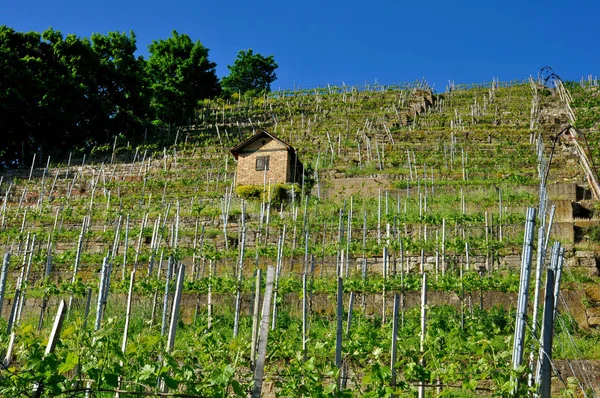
(395, 269)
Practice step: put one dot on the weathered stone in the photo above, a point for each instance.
(592, 294)
(594, 321)
(584, 254)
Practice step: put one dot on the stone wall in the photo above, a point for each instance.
(278, 163)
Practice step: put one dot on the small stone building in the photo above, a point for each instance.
(264, 158)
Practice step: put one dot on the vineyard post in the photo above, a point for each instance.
(444, 246)
(125, 246)
(195, 247)
(103, 276)
(88, 301)
(225, 215)
(31, 169)
(54, 336)
(106, 290)
(468, 260)
(238, 298)
(544, 369)
(340, 316)
(462, 290)
(209, 304)
(6, 195)
(25, 278)
(9, 350)
(349, 318)
(383, 295)
(500, 215)
(487, 251)
(277, 274)
(304, 314)
(168, 275)
(255, 319)
(175, 308)
(409, 166)
(559, 268)
(53, 186)
(349, 233)
(41, 195)
(264, 333)
(394, 352)
(128, 312)
(423, 327)
(115, 247)
(174, 315)
(519, 338)
(3, 274)
(379, 218)
(139, 242)
(46, 275)
(155, 298)
(401, 279)
(437, 256)
(549, 226)
(154, 244)
(540, 260)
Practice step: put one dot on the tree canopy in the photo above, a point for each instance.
(250, 73)
(180, 74)
(60, 91)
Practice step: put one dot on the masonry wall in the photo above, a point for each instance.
(278, 163)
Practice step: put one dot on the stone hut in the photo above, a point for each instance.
(264, 158)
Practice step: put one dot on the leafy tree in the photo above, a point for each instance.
(21, 68)
(180, 75)
(121, 81)
(73, 102)
(250, 73)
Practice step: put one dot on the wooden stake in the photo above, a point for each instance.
(264, 333)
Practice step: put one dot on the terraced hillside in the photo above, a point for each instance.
(398, 181)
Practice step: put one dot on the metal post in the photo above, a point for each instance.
(340, 315)
(423, 326)
(519, 337)
(101, 293)
(545, 356)
(3, 279)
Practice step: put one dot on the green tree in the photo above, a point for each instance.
(250, 73)
(122, 85)
(180, 74)
(21, 70)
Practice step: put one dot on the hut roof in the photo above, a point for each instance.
(235, 151)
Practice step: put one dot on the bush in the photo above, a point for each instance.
(249, 192)
(279, 192)
(594, 234)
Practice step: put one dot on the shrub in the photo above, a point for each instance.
(594, 234)
(249, 192)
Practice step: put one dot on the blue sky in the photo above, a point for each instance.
(321, 42)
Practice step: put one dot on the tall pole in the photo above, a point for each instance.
(423, 326)
(259, 371)
(545, 357)
(519, 337)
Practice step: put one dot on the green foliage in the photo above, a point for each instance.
(594, 234)
(249, 192)
(180, 74)
(250, 74)
(68, 91)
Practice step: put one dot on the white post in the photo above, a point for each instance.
(264, 333)
(423, 325)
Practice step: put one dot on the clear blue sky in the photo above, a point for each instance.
(321, 42)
